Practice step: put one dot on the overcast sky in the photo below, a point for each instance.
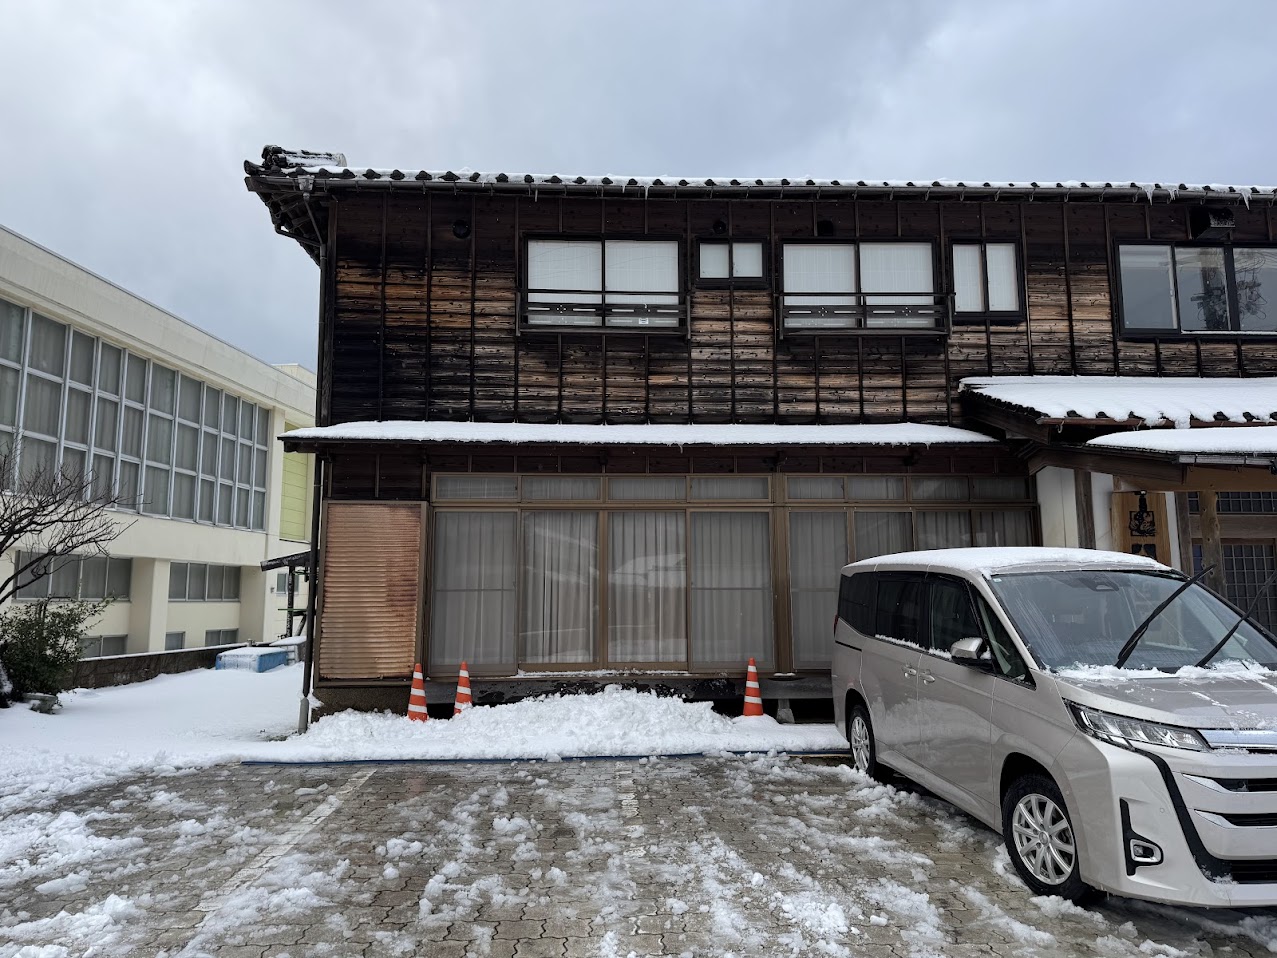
(123, 126)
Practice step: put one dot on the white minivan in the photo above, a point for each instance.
(1115, 720)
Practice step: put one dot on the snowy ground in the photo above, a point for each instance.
(116, 839)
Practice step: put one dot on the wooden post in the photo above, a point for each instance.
(1212, 548)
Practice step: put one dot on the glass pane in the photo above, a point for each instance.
(39, 459)
(245, 471)
(1256, 273)
(77, 421)
(104, 428)
(1009, 488)
(640, 266)
(103, 475)
(187, 446)
(212, 637)
(35, 581)
(819, 268)
(43, 406)
(208, 455)
(131, 435)
(227, 468)
(575, 265)
(241, 507)
(196, 580)
(876, 488)
(900, 607)
(259, 469)
(12, 318)
(114, 644)
(247, 418)
(258, 518)
(943, 530)
(1147, 287)
(263, 426)
(93, 578)
(64, 582)
(814, 487)
(475, 487)
(155, 498)
(212, 407)
(109, 365)
(559, 619)
(208, 500)
(173, 641)
(632, 489)
(216, 579)
(183, 496)
(932, 488)
(74, 463)
(731, 589)
(560, 488)
(163, 388)
(159, 439)
(9, 379)
(968, 281)
(715, 260)
(119, 578)
(188, 403)
(1004, 283)
(81, 359)
(747, 260)
(177, 581)
(1203, 289)
(1005, 527)
(952, 614)
(896, 268)
(230, 583)
(882, 533)
(817, 553)
(473, 611)
(647, 587)
(224, 495)
(730, 487)
(230, 413)
(48, 345)
(135, 381)
(128, 484)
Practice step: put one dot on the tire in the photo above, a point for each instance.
(864, 751)
(1033, 810)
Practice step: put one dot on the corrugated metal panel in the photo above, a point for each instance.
(293, 488)
(371, 576)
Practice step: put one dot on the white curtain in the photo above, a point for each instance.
(731, 583)
(896, 268)
(475, 487)
(715, 260)
(472, 606)
(968, 278)
(817, 551)
(819, 268)
(573, 266)
(1004, 284)
(645, 488)
(814, 487)
(943, 530)
(641, 271)
(559, 618)
(882, 533)
(1004, 527)
(647, 589)
(560, 488)
(43, 406)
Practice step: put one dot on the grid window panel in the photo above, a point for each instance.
(183, 496)
(1247, 566)
(12, 323)
(177, 581)
(259, 510)
(188, 404)
(940, 487)
(227, 469)
(196, 582)
(230, 413)
(131, 434)
(163, 389)
(247, 417)
(159, 439)
(106, 421)
(259, 469)
(115, 644)
(244, 471)
(215, 588)
(241, 507)
(814, 487)
(212, 407)
(93, 578)
(188, 450)
(155, 498)
(10, 382)
(81, 370)
(876, 488)
(103, 474)
(74, 463)
(38, 458)
(77, 416)
(208, 455)
(110, 365)
(128, 487)
(119, 578)
(42, 407)
(263, 426)
(64, 580)
(174, 641)
(208, 500)
(48, 346)
(224, 495)
(135, 380)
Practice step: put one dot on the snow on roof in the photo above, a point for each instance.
(1008, 559)
(1223, 441)
(642, 434)
(293, 163)
(1156, 401)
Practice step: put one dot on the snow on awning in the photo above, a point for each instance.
(640, 434)
(1179, 401)
(1249, 441)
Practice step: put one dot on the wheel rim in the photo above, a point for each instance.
(1043, 839)
(860, 748)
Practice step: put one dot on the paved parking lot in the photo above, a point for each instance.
(690, 857)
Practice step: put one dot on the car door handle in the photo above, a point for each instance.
(910, 671)
(928, 678)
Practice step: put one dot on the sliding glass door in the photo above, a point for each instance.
(558, 624)
(647, 588)
(731, 589)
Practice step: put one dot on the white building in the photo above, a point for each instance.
(92, 376)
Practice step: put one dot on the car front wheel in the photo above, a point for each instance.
(1040, 839)
(860, 736)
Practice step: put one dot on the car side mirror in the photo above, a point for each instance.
(967, 650)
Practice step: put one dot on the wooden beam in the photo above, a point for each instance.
(1142, 472)
(1212, 546)
(1214, 478)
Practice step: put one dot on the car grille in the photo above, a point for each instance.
(1259, 871)
(1247, 784)
(1254, 819)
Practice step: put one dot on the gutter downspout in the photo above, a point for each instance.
(317, 485)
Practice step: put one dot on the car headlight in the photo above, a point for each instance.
(1120, 730)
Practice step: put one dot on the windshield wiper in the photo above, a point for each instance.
(1138, 634)
(1254, 603)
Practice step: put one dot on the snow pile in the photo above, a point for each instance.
(1236, 441)
(615, 722)
(1163, 401)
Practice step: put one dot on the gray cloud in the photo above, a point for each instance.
(123, 127)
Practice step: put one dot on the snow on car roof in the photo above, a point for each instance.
(992, 561)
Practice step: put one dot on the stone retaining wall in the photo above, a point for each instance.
(122, 669)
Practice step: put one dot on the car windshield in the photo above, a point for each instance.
(1083, 618)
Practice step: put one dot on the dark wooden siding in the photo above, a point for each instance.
(425, 321)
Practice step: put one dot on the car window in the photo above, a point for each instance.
(952, 614)
(900, 607)
(1003, 649)
(856, 596)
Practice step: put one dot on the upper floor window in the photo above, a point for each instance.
(986, 278)
(860, 286)
(609, 284)
(724, 263)
(1198, 289)
(78, 577)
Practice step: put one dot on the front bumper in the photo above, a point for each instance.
(1212, 814)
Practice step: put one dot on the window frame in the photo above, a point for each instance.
(731, 281)
(1176, 331)
(681, 328)
(942, 301)
(995, 317)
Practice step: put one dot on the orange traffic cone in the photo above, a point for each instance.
(463, 691)
(417, 697)
(753, 699)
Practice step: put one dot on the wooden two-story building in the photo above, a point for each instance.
(572, 424)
